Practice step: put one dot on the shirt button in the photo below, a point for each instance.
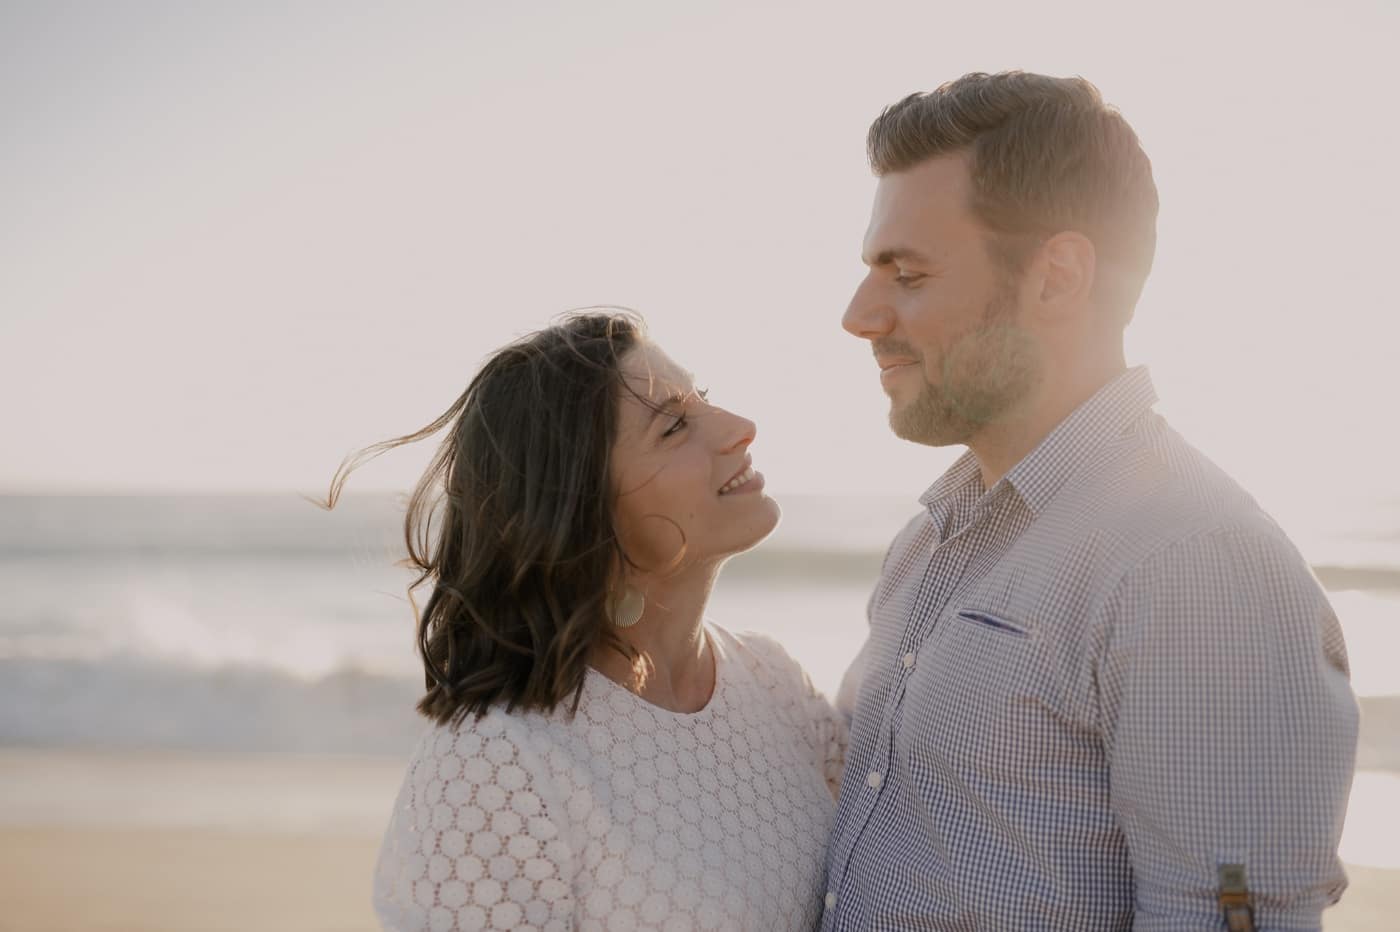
(830, 900)
(873, 781)
(908, 661)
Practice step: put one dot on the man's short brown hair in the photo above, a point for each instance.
(1046, 155)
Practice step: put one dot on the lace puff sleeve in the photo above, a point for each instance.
(475, 841)
(803, 703)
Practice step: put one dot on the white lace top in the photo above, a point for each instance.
(626, 817)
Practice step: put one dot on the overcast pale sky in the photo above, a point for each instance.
(238, 241)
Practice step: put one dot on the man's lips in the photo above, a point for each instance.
(892, 368)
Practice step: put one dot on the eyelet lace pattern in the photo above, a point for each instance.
(626, 817)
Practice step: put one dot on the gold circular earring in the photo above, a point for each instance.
(628, 608)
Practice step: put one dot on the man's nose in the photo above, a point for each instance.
(866, 316)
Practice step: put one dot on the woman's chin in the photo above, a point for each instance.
(766, 516)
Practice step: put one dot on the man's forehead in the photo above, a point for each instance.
(931, 197)
(935, 184)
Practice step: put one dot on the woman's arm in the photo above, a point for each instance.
(475, 841)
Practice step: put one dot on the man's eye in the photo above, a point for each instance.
(909, 278)
(680, 422)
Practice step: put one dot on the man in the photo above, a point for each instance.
(1101, 689)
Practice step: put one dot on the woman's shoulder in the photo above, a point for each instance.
(763, 656)
(477, 749)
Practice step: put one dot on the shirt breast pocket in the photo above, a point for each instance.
(994, 622)
(979, 695)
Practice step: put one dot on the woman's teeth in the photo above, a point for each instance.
(737, 481)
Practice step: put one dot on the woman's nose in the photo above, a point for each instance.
(739, 432)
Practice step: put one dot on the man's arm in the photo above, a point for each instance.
(1231, 730)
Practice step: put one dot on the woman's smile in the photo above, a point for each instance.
(748, 480)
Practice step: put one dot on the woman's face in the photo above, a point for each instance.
(687, 493)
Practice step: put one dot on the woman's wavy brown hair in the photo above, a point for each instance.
(513, 522)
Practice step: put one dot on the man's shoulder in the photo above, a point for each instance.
(1157, 495)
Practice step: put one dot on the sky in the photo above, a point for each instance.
(239, 241)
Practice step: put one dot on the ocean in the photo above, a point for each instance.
(262, 623)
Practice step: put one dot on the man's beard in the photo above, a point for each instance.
(986, 373)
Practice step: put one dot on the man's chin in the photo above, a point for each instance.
(917, 427)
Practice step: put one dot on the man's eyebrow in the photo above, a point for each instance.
(890, 256)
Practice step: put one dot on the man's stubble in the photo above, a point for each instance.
(984, 375)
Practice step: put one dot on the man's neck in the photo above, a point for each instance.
(1000, 446)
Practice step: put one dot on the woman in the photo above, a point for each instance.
(601, 757)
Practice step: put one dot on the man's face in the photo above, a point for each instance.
(941, 314)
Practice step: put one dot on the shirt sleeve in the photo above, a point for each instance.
(474, 841)
(831, 736)
(1230, 729)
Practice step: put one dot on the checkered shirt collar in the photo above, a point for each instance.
(1039, 475)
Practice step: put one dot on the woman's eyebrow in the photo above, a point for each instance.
(659, 407)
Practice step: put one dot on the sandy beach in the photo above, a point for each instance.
(95, 841)
(155, 841)
(65, 879)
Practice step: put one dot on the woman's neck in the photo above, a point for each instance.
(678, 658)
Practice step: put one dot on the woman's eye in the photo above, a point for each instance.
(680, 422)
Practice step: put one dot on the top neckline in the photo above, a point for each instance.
(717, 655)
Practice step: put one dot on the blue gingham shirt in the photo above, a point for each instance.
(1087, 688)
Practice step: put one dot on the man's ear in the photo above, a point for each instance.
(1067, 265)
